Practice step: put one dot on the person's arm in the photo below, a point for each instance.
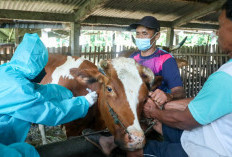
(171, 76)
(174, 118)
(177, 93)
(18, 150)
(180, 104)
(212, 102)
(49, 105)
(178, 119)
(161, 97)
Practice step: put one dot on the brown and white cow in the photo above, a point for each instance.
(122, 87)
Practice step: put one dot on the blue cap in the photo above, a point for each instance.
(149, 22)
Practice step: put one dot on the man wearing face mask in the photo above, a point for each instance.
(202, 125)
(159, 61)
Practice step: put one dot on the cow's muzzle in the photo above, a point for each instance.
(132, 141)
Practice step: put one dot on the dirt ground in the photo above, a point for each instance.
(53, 134)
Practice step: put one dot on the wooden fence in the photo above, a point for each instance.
(94, 54)
(6, 52)
(202, 61)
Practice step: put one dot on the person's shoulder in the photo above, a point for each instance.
(160, 50)
(165, 53)
(12, 77)
(226, 67)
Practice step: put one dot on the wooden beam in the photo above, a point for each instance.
(40, 16)
(106, 28)
(199, 26)
(198, 13)
(33, 25)
(87, 8)
(122, 22)
(100, 20)
(193, 1)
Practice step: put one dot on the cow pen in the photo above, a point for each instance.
(202, 61)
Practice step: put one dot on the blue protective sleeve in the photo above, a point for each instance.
(18, 150)
(43, 104)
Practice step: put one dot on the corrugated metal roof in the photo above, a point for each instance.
(41, 6)
(163, 10)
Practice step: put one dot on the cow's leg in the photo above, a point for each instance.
(63, 129)
(42, 132)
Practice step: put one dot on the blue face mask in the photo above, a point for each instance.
(144, 44)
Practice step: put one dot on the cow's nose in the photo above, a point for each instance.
(136, 140)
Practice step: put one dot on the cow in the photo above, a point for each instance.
(122, 86)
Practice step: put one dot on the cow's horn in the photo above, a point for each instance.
(179, 45)
(150, 75)
(101, 71)
(102, 66)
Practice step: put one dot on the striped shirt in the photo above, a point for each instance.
(162, 64)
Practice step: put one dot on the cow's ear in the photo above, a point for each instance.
(147, 76)
(84, 75)
(157, 82)
(88, 75)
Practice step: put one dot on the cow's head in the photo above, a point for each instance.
(124, 89)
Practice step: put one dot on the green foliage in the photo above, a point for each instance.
(196, 39)
(123, 38)
(105, 38)
(162, 39)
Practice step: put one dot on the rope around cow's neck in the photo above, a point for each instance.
(117, 120)
(95, 132)
(151, 125)
(114, 115)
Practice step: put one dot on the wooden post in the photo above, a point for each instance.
(75, 39)
(170, 37)
(177, 39)
(16, 37)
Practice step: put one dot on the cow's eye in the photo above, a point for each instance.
(109, 89)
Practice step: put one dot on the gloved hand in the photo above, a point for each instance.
(91, 98)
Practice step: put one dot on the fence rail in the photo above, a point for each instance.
(202, 61)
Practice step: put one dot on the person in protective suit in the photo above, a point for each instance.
(23, 102)
(18, 150)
